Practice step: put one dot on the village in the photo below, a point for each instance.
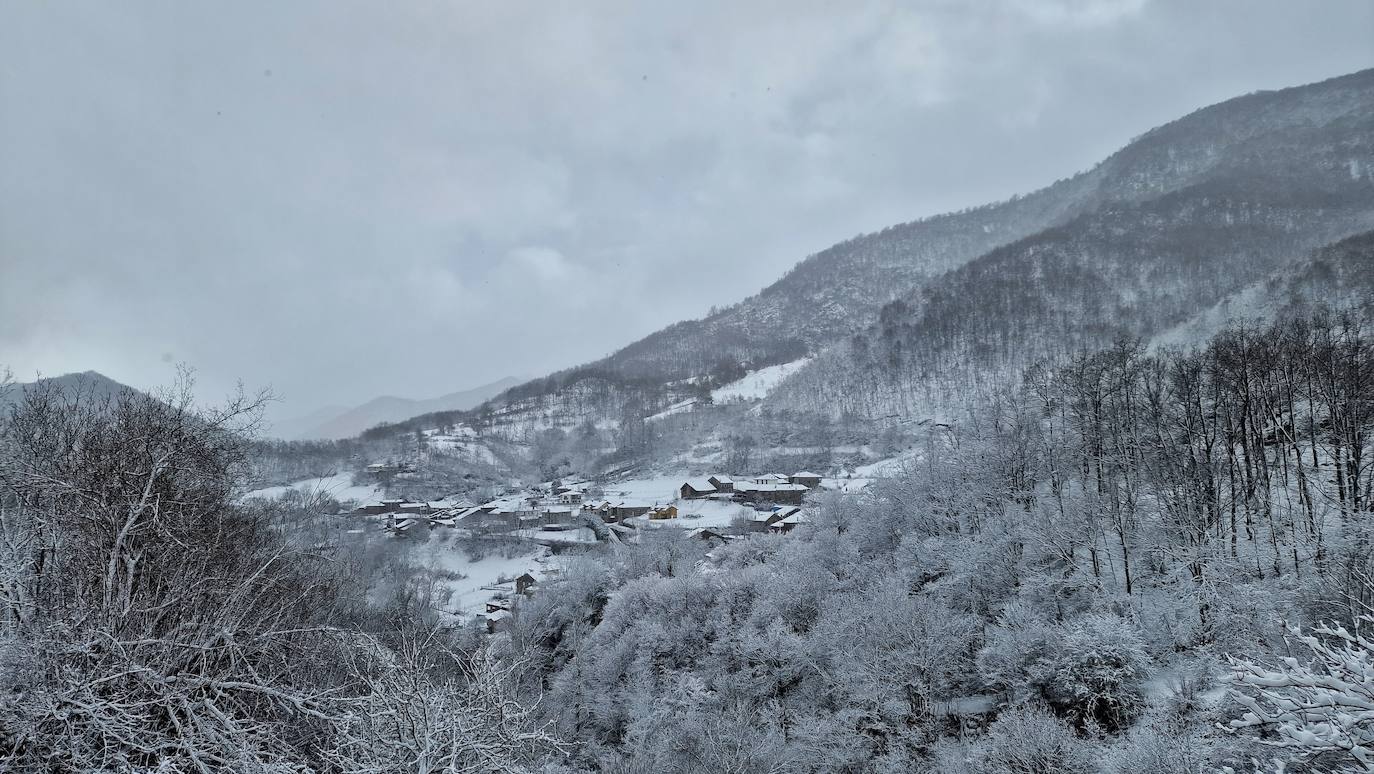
(573, 513)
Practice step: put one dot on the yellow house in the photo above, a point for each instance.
(666, 512)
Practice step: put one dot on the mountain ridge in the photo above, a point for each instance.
(346, 422)
(1235, 158)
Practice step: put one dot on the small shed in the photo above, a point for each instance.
(497, 621)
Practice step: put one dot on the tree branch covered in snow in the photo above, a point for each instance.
(1322, 703)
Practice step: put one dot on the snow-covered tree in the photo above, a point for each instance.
(1321, 704)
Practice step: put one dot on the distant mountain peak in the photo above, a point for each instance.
(95, 384)
(346, 422)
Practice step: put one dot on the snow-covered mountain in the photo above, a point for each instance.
(1338, 276)
(891, 323)
(1188, 214)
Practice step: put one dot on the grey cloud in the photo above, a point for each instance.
(346, 199)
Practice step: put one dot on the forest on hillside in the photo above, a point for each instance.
(1131, 561)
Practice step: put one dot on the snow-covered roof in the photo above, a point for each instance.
(753, 487)
(700, 485)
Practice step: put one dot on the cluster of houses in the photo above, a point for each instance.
(774, 502)
(381, 470)
(403, 515)
(503, 600)
(767, 488)
(553, 511)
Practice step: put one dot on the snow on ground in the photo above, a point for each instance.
(757, 384)
(846, 449)
(468, 448)
(659, 490)
(848, 485)
(339, 486)
(890, 466)
(469, 596)
(581, 535)
(676, 408)
(692, 514)
(461, 432)
(663, 490)
(1249, 305)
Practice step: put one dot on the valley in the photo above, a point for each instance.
(1078, 481)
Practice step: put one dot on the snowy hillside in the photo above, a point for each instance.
(338, 486)
(758, 384)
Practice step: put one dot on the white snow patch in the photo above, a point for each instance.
(1250, 305)
(703, 513)
(757, 384)
(469, 596)
(891, 466)
(339, 486)
(659, 490)
(676, 408)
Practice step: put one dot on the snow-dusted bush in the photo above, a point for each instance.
(1097, 672)
(1155, 750)
(1021, 638)
(1030, 740)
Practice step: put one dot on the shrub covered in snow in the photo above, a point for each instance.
(1097, 672)
(1031, 740)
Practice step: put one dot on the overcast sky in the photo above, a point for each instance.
(341, 200)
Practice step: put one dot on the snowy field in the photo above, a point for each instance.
(469, 596)
(579, 536)
(889, 467)
(703, 513)
(757, 384)
(658, 490)
(677, 408)
(663, 490)
(339, 486)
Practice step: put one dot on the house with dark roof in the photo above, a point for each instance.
(722, 483)
(696, 489)
(789, 494)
